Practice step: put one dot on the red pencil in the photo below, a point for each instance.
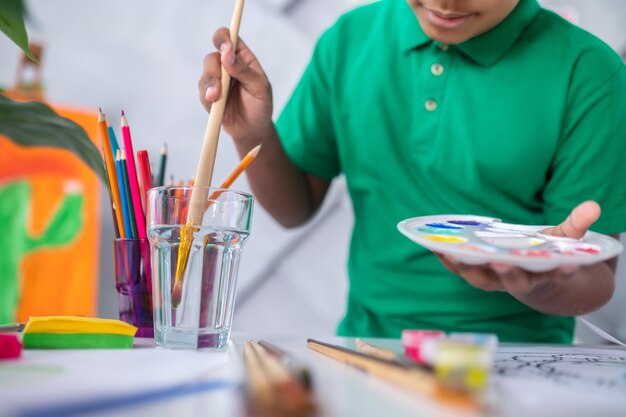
(146, 176)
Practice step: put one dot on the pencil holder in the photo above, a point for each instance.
(133, 285)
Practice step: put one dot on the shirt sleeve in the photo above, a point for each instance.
(305, 125)
(590, 160)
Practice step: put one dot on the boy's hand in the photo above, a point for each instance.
(249, 106)
(548, 291)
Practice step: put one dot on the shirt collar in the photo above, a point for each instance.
(485, 49)
(411, 34)
(488, 48)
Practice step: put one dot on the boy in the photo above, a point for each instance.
(486, 107)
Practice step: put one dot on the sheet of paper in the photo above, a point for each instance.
(43, 377)
(567, 380)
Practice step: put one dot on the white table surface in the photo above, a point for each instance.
(73, 382)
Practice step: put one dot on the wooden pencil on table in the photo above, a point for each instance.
(109, 163)
(204, 172)
(413, 378)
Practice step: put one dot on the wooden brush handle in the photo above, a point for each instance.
(204, 173)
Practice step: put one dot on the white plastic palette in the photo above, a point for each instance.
(477, 240)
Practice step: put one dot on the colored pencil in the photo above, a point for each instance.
(110, 193)
(204, 172)
(243, 164)
(109, 164)
(124, 205)
(161, 178)
(273, 390)
(114, 145)
(412, 378)
(296, 368)
(140, 219)
(129, 200)
(146, 176)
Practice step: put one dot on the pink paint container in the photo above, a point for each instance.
(412, 341)
(10, 346)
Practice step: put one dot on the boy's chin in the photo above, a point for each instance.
(447, 36)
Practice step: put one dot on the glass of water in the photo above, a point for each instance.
(194, 308)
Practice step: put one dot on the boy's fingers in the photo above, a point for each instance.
(578, 222)
(221, 36)
(209, 84)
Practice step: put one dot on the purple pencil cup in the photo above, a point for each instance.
(133, 286)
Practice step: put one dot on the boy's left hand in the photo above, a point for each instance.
(533, 287)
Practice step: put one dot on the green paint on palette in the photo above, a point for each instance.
(435, 230)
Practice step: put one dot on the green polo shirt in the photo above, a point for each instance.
(521, 123)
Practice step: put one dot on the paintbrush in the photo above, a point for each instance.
(204, 173)
(411, 377)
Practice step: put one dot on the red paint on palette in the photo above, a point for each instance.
(534, 253)
(590, 251)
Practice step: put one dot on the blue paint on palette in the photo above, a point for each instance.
(434, 230)
(443, 226)
(465, 222)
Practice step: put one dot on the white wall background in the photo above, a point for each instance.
(145, 56)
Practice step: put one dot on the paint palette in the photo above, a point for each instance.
(477, 240)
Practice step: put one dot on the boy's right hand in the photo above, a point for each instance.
(249, 105)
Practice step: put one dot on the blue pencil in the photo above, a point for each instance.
(115, 402)
(114, 146)
(123, 197)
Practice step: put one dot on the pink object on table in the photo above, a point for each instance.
(412, 341)
(10, 346)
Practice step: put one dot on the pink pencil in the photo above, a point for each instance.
(134, 191)
(132, 179)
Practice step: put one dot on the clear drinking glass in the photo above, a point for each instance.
(197, 311)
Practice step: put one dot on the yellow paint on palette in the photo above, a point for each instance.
(445, 239)
(75, 324)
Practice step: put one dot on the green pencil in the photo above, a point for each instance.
(161, 179)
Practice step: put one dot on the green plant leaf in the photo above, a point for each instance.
(35, 124)
(12, 24)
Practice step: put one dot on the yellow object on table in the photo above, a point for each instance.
(73, 332)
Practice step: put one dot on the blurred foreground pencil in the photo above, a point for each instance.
(413, 378)
(272, 389)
